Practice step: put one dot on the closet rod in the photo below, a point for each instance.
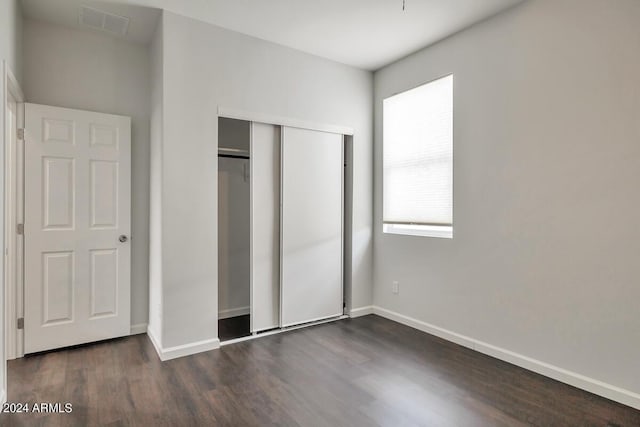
(233, 156)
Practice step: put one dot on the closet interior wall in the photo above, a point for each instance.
(233, 227)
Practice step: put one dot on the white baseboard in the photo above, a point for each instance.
(425, 327)
(189, 349)
(155, 341)
(361, 311)
(591, 385)
(182, 350)
(139, 328)
(233, 312)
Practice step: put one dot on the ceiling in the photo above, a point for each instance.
(366, 34)
(142, 20)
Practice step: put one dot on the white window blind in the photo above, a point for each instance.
(418, 156)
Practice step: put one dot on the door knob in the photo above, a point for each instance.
(123, 238)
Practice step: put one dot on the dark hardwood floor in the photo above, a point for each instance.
(234, 327)
(360, 372)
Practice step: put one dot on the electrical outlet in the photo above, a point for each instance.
(395, 287)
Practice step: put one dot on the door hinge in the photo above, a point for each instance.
(21, 323)
(21, 133)
(20, 229)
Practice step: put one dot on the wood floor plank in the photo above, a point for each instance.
(354, 372)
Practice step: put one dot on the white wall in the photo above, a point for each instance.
(10, 51)
(155, 186)
(544, 260)
(89, 71)
(11, 35)
(206, 67)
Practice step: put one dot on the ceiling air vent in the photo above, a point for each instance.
(104, 21)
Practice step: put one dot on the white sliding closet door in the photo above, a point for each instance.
(311, 220)
(265, 227)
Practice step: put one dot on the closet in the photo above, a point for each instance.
(234, 199)
(281, 227)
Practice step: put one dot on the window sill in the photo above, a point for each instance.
(438, 231)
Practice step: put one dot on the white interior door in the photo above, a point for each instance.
(77, 227)
(265, 227)
(312, 214)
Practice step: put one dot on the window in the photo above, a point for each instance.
(418, 161)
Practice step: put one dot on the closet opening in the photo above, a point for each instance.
(234, 198)
(284, 226)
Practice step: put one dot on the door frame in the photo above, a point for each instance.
(13, 243)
